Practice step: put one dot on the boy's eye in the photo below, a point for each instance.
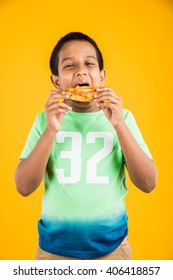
(89, 63)
(68, 66)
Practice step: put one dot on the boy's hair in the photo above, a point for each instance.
(54, 59)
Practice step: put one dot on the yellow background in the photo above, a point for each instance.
(136, 41)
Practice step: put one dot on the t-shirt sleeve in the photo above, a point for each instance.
(132, 125)
(34, 135)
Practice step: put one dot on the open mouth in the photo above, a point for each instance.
(83, 85)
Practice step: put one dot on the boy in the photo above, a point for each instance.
(81, 149)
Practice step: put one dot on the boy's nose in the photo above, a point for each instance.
(80, 73)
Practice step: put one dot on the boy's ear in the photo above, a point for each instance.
(103, 77)
(55, 80)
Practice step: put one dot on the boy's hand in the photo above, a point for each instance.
(56, 110)
(111, 105)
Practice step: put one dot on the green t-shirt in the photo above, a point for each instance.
(83, 210)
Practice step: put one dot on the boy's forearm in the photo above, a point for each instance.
(30, 171)
(141, 168)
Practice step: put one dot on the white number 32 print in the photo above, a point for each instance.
(74, 155)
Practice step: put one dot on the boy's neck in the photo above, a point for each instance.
(83, 107)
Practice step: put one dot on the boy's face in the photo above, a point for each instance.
(78, 65)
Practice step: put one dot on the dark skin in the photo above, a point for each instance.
(78, 65)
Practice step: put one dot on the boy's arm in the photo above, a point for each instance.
(141, 168)
(30, 171)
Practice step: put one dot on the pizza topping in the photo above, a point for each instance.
(82, 93)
